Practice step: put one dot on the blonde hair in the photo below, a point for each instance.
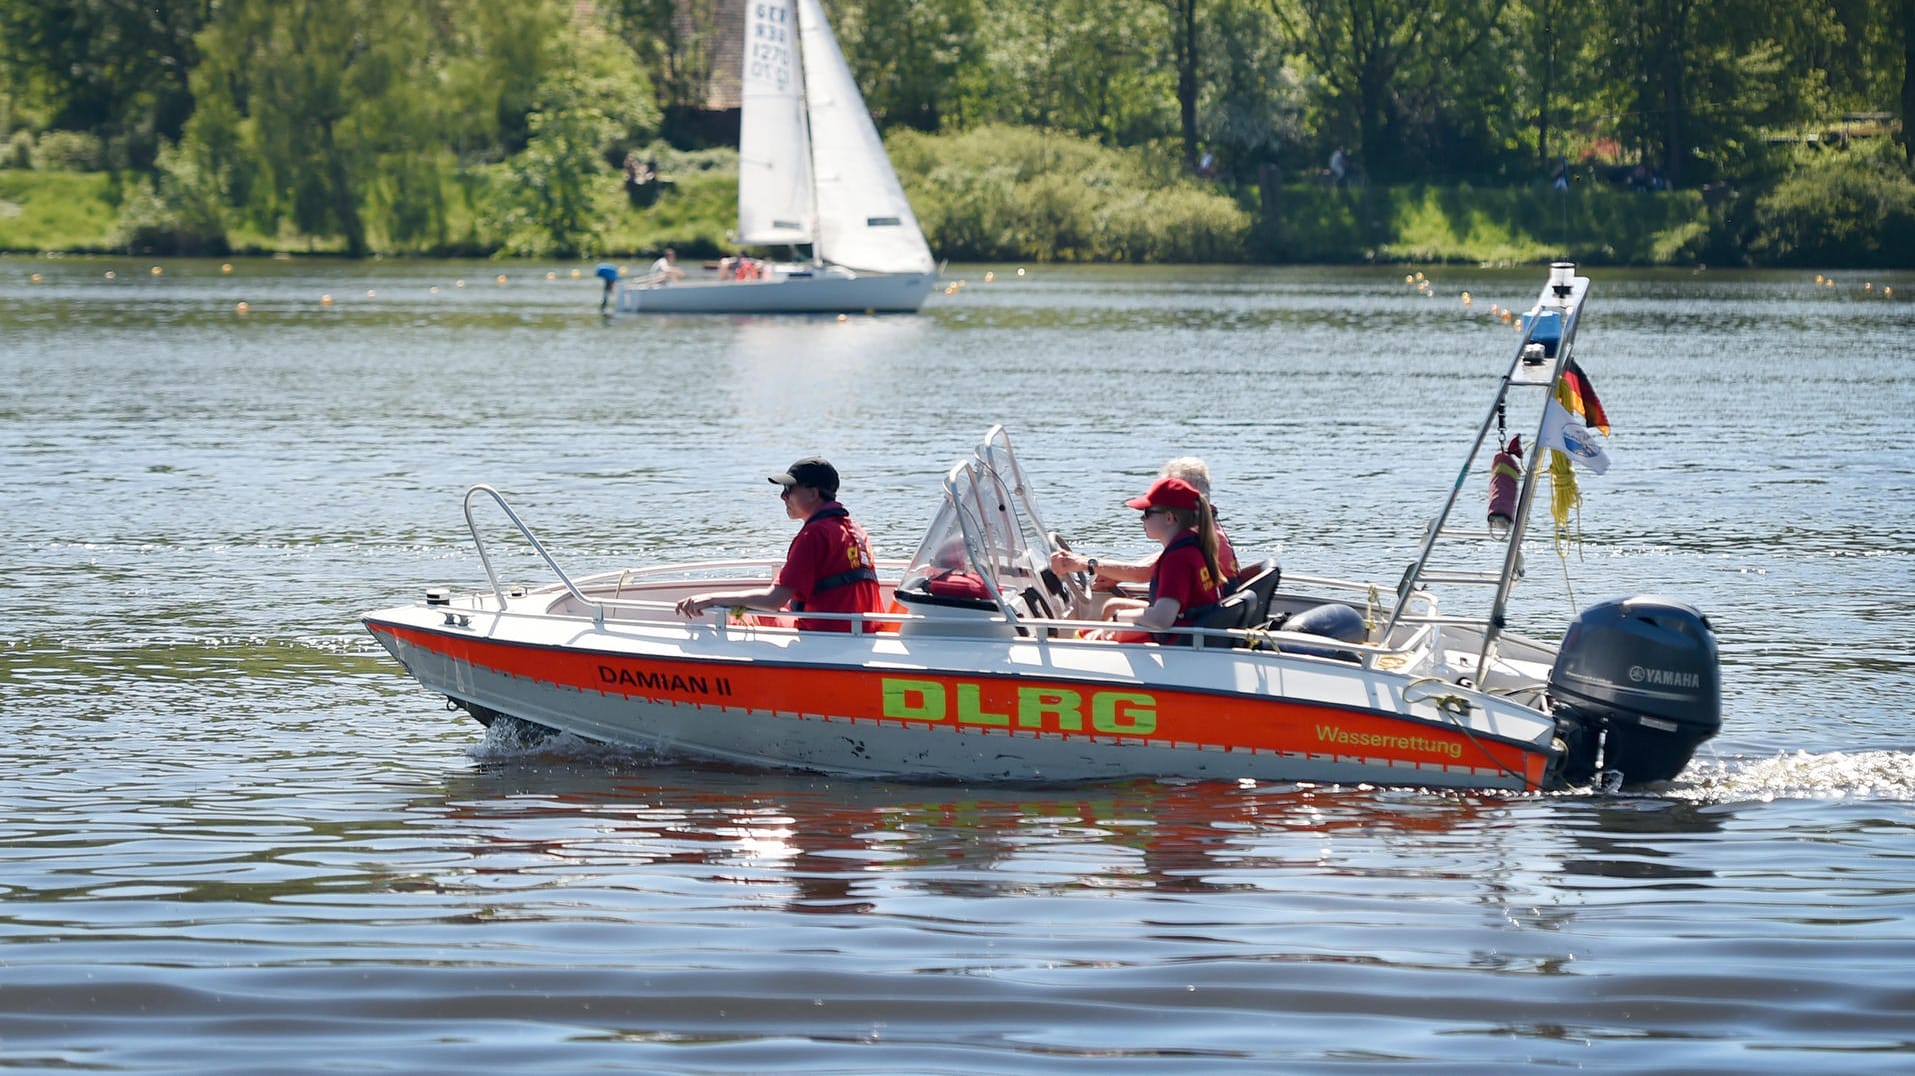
(1191, 469)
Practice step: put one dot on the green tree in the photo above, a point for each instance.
(1386, 69)
(114, 68)
(1695, 87)
(1252, 103)
(1184, 52)
(673, 41)
(585, 105)
(306, 103)
(910, 55)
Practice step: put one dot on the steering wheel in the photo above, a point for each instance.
(1075, 585)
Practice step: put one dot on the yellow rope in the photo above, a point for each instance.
(1564, 499)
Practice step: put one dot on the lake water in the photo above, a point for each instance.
(234, 837)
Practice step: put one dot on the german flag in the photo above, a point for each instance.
(1578, 394)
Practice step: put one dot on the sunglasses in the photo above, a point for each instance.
(1148, 512)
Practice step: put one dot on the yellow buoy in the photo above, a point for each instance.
(501, 278)
(157, 271)
(242, 308)
(1408, 279)
(434, 289)
(1020, 270)
(226, 267)
(458, 283)
(575, 274)
(842, 317)
(371, 294)
(109, 274)
(1466, 299)
(1818, 278)
(325, 300)
(36, 278)
(551, 276)
(989, 277)
(1868, 285)
(1888, 292)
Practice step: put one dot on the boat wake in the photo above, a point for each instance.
(508, 739)
(1857, 775)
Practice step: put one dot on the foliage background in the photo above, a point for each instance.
(1766, 131)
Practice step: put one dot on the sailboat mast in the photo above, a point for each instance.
(804, 113)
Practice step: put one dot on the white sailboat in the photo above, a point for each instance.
(811, 172)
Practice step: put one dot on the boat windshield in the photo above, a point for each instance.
(989, 529)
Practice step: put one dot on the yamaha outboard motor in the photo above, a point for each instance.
(1639, 675)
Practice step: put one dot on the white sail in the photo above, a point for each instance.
(863, 219)
(775, 205)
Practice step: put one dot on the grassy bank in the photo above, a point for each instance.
(64, 211)
(1022, 194)
(1500, 226)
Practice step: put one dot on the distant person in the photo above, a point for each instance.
(1561, 179)
(1339, 166)
(641, 180)
(1207, 165)
(607, 272)
(1187, 580)
(665, 270)
(829, 567)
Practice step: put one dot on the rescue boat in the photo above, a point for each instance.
(979, 669)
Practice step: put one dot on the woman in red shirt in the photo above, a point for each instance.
(1187, 578)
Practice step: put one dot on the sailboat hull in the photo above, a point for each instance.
(882, 293)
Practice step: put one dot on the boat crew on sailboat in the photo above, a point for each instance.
(811, 172)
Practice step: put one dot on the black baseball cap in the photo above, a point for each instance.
(814, 471)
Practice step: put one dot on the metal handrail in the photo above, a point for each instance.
(1007, 614)
(598, 608)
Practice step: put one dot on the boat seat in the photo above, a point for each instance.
(1262, 580)
(1234, 611)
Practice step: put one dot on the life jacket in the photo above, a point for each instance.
(845, 578)
(1184, 616)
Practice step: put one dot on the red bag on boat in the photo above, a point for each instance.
(957, 585)
(1504, 474)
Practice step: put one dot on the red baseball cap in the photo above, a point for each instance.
(1168, 493)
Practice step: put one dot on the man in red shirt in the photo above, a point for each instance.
(828, 569)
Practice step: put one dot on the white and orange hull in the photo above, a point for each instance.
(917, 704)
